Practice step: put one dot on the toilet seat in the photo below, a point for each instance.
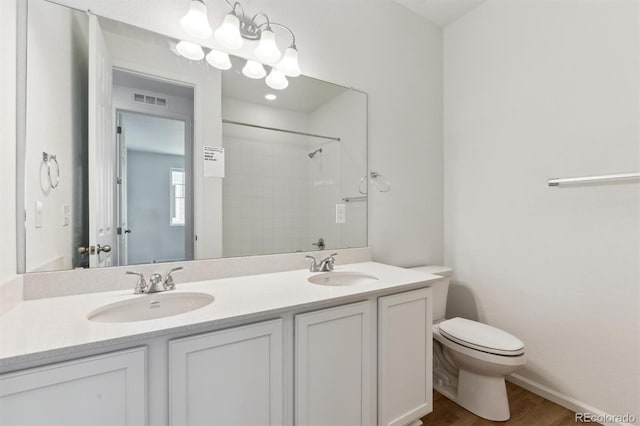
(481, 337)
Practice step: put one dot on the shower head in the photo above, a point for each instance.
(312, 154)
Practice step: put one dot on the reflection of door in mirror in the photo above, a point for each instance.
(101, 152)
(152, 201)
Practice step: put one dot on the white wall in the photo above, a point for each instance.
(535, 90)
(7, 140)
(57, 82)
(336, 172)
(390, 53)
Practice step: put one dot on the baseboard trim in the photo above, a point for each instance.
(560, 398)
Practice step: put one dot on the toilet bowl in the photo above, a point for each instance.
(471, 359)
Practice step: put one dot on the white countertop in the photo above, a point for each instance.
(37, 329)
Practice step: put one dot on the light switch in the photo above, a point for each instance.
(341, 213)
(66, 215)
(38, 217)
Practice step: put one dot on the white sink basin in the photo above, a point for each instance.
(342, 278)
(150, 306)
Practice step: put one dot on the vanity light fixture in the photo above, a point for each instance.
(276, 79)
(253, 69)
(195, 22)
(237, 27)
(228, 35)
(190, 50)
(270, 97)
(218, 59)
(289, 63)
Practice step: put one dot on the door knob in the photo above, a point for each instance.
(83, 250)
(105, 248)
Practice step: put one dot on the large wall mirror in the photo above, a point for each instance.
(134, 154)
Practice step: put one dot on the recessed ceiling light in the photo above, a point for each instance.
(270, 97)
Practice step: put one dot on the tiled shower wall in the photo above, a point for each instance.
(275, 198)
(265, 197)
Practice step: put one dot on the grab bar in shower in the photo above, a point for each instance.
(589, 179)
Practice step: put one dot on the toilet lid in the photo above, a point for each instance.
(481, 336)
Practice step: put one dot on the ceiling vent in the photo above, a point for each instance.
(150, 100)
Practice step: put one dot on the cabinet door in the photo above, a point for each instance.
(335, 366)
(228, 377)
(102, 390)
(404, 357)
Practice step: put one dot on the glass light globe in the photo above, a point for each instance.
(190, 50)
(228, 35)
(277, 80)
(195, 22)
(267, 50)
(289, 63)
(218, 59)
(253, 69)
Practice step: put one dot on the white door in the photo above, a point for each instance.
(404, 357)
(229, 377)
(102, 390)
(101, 151)
(335, 372)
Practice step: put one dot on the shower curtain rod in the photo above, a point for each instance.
(275, 129)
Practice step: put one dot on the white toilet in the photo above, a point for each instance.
(471, 359)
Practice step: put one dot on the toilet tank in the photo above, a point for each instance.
(440, 289)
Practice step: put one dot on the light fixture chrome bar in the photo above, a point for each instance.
(588, 179)
(275, 129)
(350, 199)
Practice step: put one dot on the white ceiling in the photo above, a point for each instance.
(304, 94)
(442, 12)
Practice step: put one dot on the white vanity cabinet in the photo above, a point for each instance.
(335, 368)
(109, 389)
(228, 377)
(404, 357)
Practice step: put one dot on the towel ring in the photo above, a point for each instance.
(49, 159)
(378, 181)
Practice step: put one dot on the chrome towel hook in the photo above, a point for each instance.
(49, 159)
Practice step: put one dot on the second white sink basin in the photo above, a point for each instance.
(151, 306)
(342, 278)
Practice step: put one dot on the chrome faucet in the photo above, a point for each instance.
(141, 284)
(320, 243)
(154, 281)
(169, 283)
(325, 265)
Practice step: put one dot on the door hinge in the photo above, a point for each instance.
(119, 180)
(119, 130)
(119, 230)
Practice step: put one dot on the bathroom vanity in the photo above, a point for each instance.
(270, 349)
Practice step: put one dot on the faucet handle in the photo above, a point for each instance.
(326, 264)
(169, 283)
(313, 267)
(330, 258)
(141, 285)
